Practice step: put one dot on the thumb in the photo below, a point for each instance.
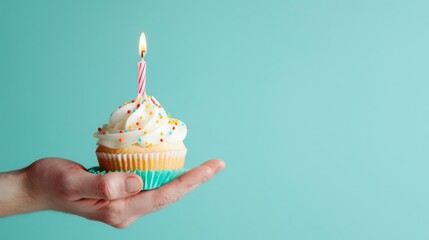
(110, 186)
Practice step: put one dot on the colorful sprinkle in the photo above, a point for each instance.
(104, 133)
(125, 130)
(129, 111)
(99, 129)
(145, 132)
(140, 139)
(120, 131)
(94, 135)
(141, 117)
(174, 128)
(130, 127)
(169, 133)
(137, 123)
(125, 103)
(161, 133)
(157, 121)
(121, 139)
(161, 140)
(133, 101)
(150, 112)
(139, 129)
(173, 122)
(134, 110)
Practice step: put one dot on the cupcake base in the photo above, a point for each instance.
(155, 161)
(151, 179)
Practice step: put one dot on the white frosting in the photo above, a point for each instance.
(143, 121)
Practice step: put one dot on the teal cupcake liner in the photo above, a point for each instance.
(151, 179)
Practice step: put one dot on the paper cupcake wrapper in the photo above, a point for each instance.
(156, 161)
(151, 179)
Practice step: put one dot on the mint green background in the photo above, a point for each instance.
(319, 108)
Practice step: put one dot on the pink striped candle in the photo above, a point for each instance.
(142, 66)
(142, 77)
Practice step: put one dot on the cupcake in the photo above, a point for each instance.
(141, 136)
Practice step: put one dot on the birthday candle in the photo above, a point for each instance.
(142, 66)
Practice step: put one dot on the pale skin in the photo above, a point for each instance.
(114, 198)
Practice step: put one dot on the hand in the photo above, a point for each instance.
(113, 198)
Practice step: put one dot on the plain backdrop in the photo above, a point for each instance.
(319, 108)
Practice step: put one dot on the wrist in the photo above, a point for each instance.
(33, 187)
(15, 194)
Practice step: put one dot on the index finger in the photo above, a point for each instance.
(150, 201)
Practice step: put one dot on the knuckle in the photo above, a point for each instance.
(104, 189)
(122, 225)
(208, 173)
(162, 200)
(114, 215)
(38, 165)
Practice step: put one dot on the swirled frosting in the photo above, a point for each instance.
(143, 121)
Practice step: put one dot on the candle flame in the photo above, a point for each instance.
(142, 45)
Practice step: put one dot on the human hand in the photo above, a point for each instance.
(113, 198)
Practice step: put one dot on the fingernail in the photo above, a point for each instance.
(220, 167)
(132, 185)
